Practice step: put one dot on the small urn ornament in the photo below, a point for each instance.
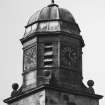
(15, 89)
(90, 83)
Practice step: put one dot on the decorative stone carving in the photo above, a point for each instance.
(90, 83)
(15, 89)
(69, 56)
(30, 58)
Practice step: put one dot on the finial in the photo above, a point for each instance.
(90, 83)
(15, 86)
(52, 1)
(52, 4)
(15, 89)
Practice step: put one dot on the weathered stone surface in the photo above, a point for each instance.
(50, 97)
(61, 98)
(35, 99)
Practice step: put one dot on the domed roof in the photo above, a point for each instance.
(51, 18)
(51, 12)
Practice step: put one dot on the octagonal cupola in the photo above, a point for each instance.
(52, 49)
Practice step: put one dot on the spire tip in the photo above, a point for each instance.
(52, 1)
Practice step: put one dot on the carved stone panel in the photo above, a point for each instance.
(30, 58)
(69, 56)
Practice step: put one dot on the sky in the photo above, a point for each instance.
(14, 15)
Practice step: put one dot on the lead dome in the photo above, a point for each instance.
(52, 18)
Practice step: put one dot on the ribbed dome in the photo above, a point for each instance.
(51, 18)
(51, 12)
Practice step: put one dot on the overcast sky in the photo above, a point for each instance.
(14, 14)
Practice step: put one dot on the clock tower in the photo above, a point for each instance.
(52, 62)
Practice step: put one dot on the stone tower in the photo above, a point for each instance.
(52, 62)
